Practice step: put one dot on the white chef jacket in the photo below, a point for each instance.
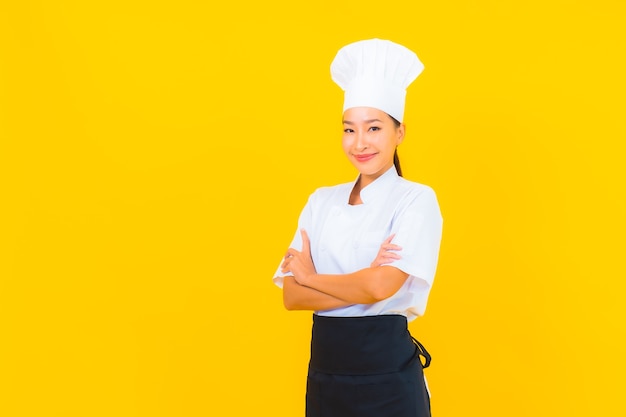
(346, 238)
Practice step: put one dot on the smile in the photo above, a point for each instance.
(365, 157)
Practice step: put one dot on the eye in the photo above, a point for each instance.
(348, 130)
(374, 128)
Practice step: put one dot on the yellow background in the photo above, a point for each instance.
(154, 157)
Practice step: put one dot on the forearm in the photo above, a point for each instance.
(299, 297)
(365, 286)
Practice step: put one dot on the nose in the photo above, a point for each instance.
(360, 143)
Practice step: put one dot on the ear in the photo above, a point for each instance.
(400, 132)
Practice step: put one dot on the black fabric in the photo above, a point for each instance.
(366, 367)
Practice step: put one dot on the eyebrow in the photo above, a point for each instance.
(348, 122)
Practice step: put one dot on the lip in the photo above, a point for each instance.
(364, 157)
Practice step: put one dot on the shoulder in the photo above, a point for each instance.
(331, 193)
(414, 189)
(417, 196)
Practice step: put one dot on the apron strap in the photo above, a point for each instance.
(420, 351)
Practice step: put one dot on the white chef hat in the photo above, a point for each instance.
(375, 73)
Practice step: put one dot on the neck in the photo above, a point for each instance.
(355, 194)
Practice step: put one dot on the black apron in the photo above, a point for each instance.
(366, 367)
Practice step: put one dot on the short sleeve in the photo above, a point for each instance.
(304, 222)
(418, 228)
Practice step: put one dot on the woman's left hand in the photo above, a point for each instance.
(387, 253)
(300, 264)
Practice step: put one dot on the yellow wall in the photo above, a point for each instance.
(154, 157)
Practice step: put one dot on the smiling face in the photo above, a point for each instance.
(370, 138)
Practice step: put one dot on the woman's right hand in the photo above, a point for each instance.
(300, 264)
(386, 253)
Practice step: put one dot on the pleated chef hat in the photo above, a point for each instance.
(375, 73)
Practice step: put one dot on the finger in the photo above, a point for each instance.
(389, 254)
(285, 263)
(390, 238)
(381, 262)
(391, 246)
(291, 252)
(306, 243)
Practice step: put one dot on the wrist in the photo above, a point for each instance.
(308, 279)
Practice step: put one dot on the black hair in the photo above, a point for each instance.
(396, 160)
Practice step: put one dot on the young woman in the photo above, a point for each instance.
(365, 254)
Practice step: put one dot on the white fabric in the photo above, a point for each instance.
(347, 238)
(375, 73)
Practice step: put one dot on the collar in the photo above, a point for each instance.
(379, 186)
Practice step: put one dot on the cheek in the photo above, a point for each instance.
(390, 144)
(346, 144)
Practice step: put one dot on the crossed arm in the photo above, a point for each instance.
(308, 290)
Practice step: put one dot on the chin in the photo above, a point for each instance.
(370, 172)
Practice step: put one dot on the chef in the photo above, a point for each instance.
(365, 253)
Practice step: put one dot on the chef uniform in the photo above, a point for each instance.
(364, 362)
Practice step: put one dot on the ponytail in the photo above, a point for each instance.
(396, 162)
